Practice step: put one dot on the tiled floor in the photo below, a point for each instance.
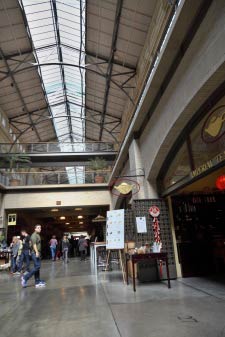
(76, 302)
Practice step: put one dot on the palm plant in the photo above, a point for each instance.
(98, 164)
(14, 162)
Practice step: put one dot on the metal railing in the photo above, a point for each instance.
(70, 177)
(58, 147)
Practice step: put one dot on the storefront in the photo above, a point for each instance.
(195, 181)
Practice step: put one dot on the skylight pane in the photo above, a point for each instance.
(55, 27)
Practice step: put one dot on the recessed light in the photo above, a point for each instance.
(78, 209)
(67, 223)
(62, 218)
(80, 217)
(81, 223)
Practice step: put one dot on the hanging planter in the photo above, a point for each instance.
(220, 182)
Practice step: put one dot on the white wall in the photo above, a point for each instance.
(48, 199)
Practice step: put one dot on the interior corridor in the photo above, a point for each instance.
(76, 302)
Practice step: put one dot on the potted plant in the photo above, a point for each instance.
(98, 165)
(14, 161)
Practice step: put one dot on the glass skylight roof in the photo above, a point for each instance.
(58, 33)
(57, 30)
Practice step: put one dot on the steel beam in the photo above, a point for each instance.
(19, 94)
(110, 64)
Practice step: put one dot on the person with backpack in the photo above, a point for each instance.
(25, 252)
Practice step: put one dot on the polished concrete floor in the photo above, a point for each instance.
(76, 302)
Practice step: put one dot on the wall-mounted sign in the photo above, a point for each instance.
(11, 219)
(141, 224)
(115, 229)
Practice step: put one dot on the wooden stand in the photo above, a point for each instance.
(120, 251)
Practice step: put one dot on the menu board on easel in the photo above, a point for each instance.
(115, 229)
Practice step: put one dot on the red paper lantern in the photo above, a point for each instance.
(220, 182)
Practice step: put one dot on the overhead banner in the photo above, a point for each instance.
(11, 219)
(115, 229)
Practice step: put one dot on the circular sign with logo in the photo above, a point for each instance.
(154, 211)
(214, 126)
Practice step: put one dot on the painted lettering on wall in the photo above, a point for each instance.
(209, 164)
(202, 168)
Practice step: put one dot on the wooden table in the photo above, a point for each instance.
(148, 256)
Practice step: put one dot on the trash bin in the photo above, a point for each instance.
(147, 271)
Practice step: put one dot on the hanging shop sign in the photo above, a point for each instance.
(12, 219)
(214, 127)
(124, 187)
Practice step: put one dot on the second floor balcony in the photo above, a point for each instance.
(70, 176)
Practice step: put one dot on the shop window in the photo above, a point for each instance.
(179, 167)
(207, 138)
(3, 122)
(207, 141)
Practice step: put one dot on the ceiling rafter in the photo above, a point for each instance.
(110, 64)
(19, 94)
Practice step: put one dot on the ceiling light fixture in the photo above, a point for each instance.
(78, 209)
(62, 218)
(81, 223)
(54, 210)
(80, 217)
(99, 218)
(67, 223)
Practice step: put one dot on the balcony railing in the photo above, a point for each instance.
(70, 177)
(58, 147)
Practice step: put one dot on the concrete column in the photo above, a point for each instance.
(147, 190)
(2, 216)
(150, 190)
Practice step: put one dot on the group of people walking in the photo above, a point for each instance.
(66, 246)
(28, 248)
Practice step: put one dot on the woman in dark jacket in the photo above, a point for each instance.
(82, 246)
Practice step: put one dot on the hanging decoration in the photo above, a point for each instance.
(154, 211)
(220, 182)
